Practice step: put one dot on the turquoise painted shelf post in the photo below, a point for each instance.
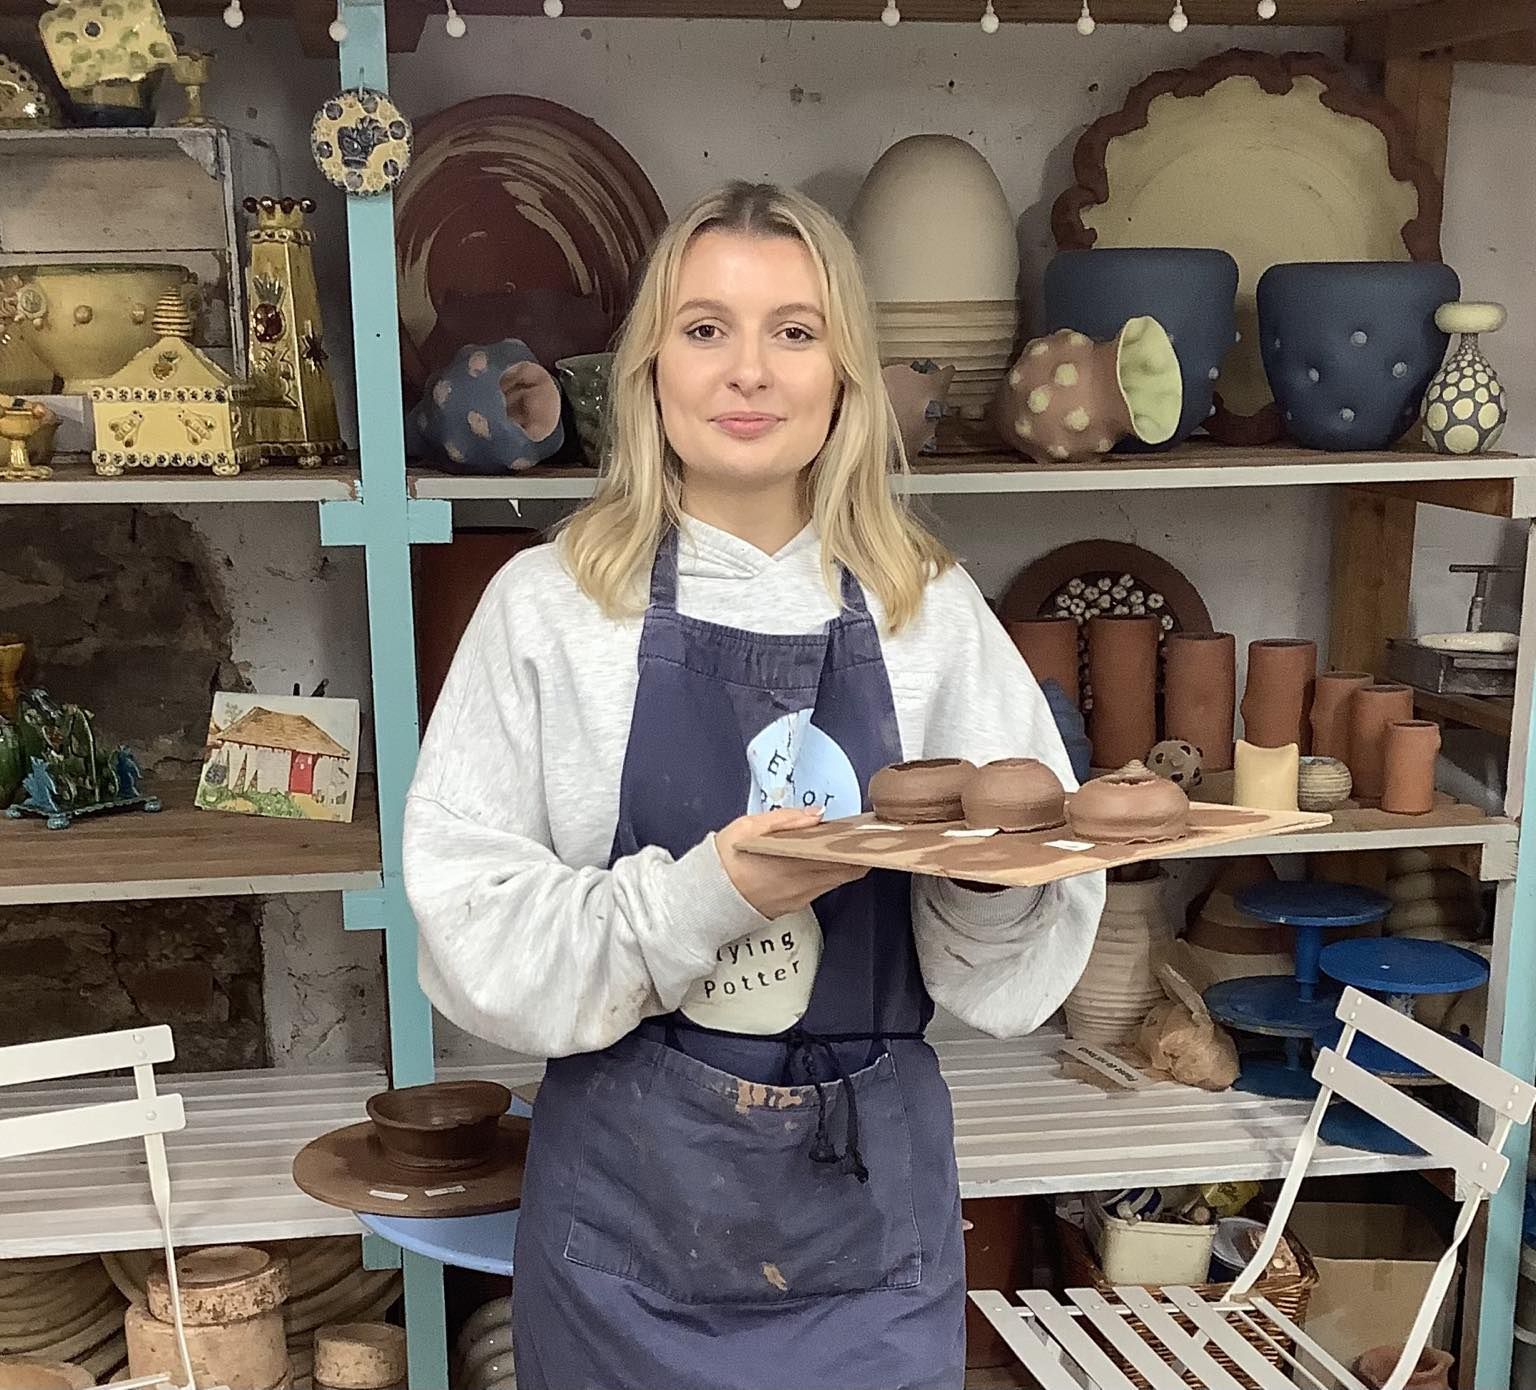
(384, 523)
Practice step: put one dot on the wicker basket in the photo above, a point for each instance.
(1289, 1293)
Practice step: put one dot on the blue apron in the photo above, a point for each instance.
(717, 1211)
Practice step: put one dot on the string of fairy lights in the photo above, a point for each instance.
(890, 16)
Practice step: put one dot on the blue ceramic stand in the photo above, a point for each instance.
(1291, 1009)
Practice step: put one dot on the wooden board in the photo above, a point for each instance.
(1016, 861)
(182, 852)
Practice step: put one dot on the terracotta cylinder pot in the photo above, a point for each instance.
(1049, 647)
(1118, 986)
(1408, 773)
(1122, 669)
(1371, 711)
(1200, 693)
(1277, 701)
(998, 1255)
(1331, 705)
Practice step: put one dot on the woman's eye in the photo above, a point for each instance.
(703, 332)
(797, 334)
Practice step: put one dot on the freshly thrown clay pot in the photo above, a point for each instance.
(1266, 779)
(1331, 704)
(1433, 1371)
(1277, 703)
(1122, 670)
(1199, 693)
(1014, 794)
(1372, 710)
(1049, 648)
(1131, 806)
(921, 793)
(1069, 399)
(1408, 773)
(441, 1126)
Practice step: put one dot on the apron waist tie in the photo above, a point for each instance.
(802, 1043)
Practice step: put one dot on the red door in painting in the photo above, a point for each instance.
(301, 774)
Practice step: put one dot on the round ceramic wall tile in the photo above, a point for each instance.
(361, 142)
(25, 104)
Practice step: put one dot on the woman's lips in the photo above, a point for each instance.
(745, 426)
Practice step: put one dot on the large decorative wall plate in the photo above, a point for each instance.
(25, 104)
(1271, 158)
(361, 142)
(526, 209)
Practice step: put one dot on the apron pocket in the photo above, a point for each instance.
(701, 1186)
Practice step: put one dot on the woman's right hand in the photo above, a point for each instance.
(777, 887)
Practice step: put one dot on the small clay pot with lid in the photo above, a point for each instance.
(1132, 806)
(1016, 794)
(441, 1126)
(923, 792)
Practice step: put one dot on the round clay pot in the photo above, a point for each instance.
(1277, 702)
(1119, 984)
(441, 1126)
(1371, 711)
(1049, 648)
(921, 793)
(1199, 693)
(1408, 774)
(1322, 784)
(1015, 794)
(1189, 290)
(1069, 399)
(1332, 701)
(1131, 806)
(1122, 670)
(1433, 1371)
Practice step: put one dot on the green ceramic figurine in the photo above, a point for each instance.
(51, 753)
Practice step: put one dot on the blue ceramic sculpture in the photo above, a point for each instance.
(491, 410)
(1350, 346)
(1189, 290)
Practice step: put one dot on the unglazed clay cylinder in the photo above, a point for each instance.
(1277, 701)
(1200, 693)
(1408, 774)
(1049, 648)
(248, 1355)
(360, 1356)
(220, 1284)
(1331, 705)
(1266, 778)
(1371, 711)
(1122, 670)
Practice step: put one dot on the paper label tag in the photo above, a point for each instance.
(969, 834)
(445, 1191)
(1076, 846)
(880, 825)
(389, 1196)
(1107, 1065)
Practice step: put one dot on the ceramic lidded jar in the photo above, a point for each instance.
(1014, 794)
(928, 791)
(1131, 806)
(1069, 399)
(1465, 408)
(1350, 346)
(1191, 291)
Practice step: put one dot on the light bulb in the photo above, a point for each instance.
(234, 16)
(454, 24)
(1085, 21)
(1267, 9)
(989, 20)
(1178, 21)
(554, 8)
(890, 16)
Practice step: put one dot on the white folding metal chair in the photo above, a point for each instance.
(1067, 1346)
(150, 1116)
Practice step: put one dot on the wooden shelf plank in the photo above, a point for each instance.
(74, 481)
(182, 852)
(1509, 476)
(1493, 714)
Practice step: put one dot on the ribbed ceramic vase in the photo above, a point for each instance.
(1118, 987)
(1049, 648)
(1122, 672)
(1372, 710)
(1200, 693)
(1408, 767)
(1277, 700)
(1331, 704)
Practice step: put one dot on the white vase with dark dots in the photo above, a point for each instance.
(1466, 406)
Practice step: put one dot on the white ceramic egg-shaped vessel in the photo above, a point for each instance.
(932, 223)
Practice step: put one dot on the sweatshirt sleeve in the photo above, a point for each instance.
(1002, 962)
(516, 947)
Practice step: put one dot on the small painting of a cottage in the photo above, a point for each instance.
(280, 755)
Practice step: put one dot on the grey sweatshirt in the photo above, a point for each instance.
(529, 938)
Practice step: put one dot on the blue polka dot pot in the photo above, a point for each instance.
(1189, 290)
(1350, 346)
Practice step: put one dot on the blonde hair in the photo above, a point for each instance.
(610, 543)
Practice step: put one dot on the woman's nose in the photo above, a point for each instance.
(749, 369)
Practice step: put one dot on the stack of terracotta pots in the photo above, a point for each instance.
(232, 1300)
(360, 1356)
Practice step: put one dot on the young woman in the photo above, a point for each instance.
(742, 1171)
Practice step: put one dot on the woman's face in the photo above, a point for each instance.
(744, 379)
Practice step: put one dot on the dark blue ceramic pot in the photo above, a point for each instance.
(492, 410)
(1350, 346)
(1189, 290)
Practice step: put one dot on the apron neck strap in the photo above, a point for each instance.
(664, 581)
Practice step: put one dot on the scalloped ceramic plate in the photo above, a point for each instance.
(361, 142)
(1270, 158)
(25, 104)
